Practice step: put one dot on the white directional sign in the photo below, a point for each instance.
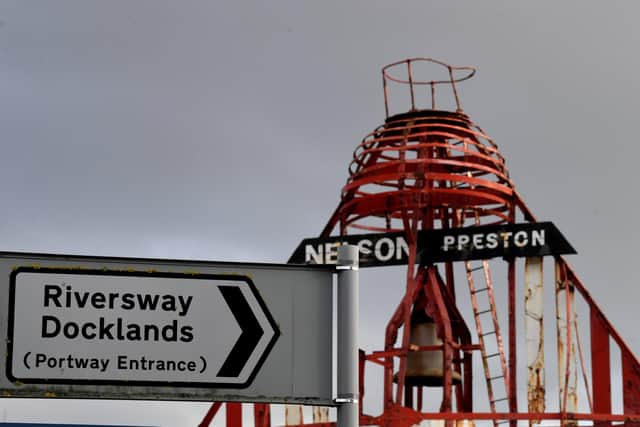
(150, 329)
(136, 328)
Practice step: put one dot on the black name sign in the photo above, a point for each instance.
(458, 244)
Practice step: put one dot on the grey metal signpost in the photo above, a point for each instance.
(127, 328)
(97, 327)
(348, 312)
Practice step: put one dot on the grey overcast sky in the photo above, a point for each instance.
(222, 130)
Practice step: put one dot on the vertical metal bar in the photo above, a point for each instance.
(262, 415)
(561, 335)
(600, 367)
(413, 285)
(391, 334)
(408, 396)
(630, 381)
(433, 96)
(362, 361)
(446, 221)
(459, 388)
(572, 363)
(567, 320)
(234, 414)
(468, 383)
(456, 220)
(512, 393)
(567, 374)
(406, 335)
(348, 312)
(512, 375)
(386, 94)
(448, 269)
(462, 336)
(455, 90)
(463, 389)
(534, 333)
(443, 321)
(410, 73)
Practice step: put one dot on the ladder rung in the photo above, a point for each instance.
(479, 290)
(487, 333)
(495, 378)
(502, 422)
(491, 355)
(477, 268)
(499, 400)
(483, 312)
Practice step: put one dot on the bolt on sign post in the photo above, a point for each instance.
(116, 328)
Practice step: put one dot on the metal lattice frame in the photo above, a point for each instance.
(431, 168)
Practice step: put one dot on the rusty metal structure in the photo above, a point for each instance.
(431, 167)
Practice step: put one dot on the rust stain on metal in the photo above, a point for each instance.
(320, 414)
(293, 415)
(567, 362)
(534, 333)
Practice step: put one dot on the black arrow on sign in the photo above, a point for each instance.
(250, 336)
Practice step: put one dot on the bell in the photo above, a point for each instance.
(424, 368)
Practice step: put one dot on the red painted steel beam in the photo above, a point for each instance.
(361, 369)
(630, 387)
(391, 334)
(262, 415)
(512, 385)
(464, 391)
(234, 414)
(601, 361)
(444, 325)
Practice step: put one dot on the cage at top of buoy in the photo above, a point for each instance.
(429, 162)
